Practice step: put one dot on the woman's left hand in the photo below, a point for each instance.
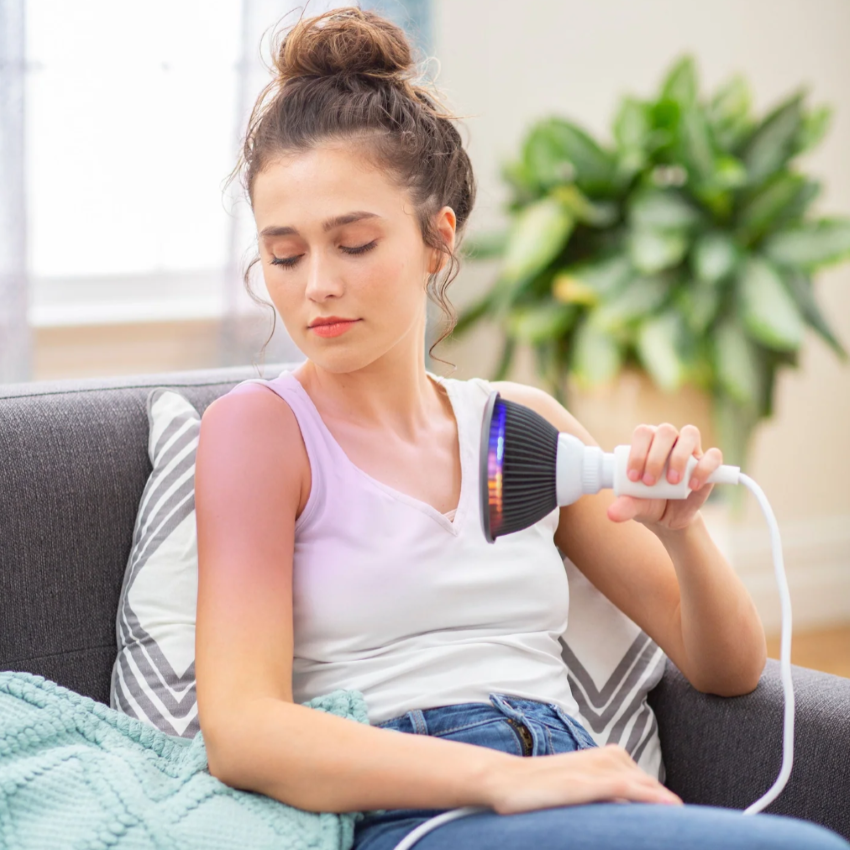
(651, 446)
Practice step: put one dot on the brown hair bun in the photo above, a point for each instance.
(344, 42)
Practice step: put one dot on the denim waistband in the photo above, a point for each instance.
(442, 719)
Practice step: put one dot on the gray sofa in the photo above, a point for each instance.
(73, 464)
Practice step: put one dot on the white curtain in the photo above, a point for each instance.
(15, 341)
(125, 218)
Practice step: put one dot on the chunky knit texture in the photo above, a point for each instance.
(75, 773)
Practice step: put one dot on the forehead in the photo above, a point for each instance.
(307, 188)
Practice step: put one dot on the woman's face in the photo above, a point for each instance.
(336, 238)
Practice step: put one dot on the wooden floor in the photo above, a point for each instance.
(827, 650)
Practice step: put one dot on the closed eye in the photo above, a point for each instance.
(289, 262)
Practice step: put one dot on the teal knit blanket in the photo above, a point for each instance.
(75, 773)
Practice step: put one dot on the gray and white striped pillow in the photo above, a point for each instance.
(612, 665)
(153, 677)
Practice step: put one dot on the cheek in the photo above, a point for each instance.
(388, 284)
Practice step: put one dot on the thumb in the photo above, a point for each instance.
(623, 508)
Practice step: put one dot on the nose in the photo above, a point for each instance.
(322, 280)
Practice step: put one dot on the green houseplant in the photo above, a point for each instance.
(685, 248)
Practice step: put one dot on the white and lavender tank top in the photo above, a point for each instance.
(410, 606)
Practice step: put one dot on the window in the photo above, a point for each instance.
(131, 127)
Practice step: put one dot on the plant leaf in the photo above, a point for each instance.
(539, 233)
(800, 287)
(736, 361)
(815, 125)
(472, 314)
(663, 209)
(547, 367)
(571, 290)
(760, 211)
(680, 84)
(699, 305)
(484, 246)
(810, 245)
(653, 250)
(536, 323)
(641, 297)
(604, 277)
(734, 424)
(546, 158)
(729, 113)
(772, 143)
(698, 150)
(729, 173)
(715, 256)
(521, 180)
(596, 355)
(631, 125)
(659, 345)
(505, 358)
(583, 209)
(767, 308)
(594, 167)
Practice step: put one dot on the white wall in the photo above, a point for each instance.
(506, 64)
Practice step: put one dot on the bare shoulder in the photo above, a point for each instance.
(254, 431)
(546, 405)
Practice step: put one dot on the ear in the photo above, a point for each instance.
(446, 224)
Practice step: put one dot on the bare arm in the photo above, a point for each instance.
(324, 763)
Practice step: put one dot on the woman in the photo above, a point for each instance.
(336, 509)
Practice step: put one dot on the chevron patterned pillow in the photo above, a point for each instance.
(153, 677)
(612, 665)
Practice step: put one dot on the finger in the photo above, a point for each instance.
(686, 446)
(640, 792)
(624, 508)
(665, 438)
(641, 441)
(710, 461)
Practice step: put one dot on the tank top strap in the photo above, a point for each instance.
(323, 452)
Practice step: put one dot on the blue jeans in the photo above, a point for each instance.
(527, 727)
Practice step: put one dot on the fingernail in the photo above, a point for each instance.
(673, 476)
(695, 485)
(648, 479)
(633, 475)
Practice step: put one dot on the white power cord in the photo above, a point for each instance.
(611, 469)
(784, 651)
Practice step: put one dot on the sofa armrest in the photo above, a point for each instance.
(727, 751)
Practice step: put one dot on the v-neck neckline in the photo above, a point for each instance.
(452, 526)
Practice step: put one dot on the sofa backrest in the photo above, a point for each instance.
(73, 465)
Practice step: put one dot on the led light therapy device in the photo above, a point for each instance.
(528, 468)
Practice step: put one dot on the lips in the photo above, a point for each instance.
(330, 320)
(333, 328)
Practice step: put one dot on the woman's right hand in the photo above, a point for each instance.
(591, 775)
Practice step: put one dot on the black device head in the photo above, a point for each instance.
(518, 467)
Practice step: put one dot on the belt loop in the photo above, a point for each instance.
(500, 701)
(417, 718)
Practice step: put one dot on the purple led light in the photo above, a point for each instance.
(495, 457)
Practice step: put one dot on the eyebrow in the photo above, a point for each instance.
(330, 224)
